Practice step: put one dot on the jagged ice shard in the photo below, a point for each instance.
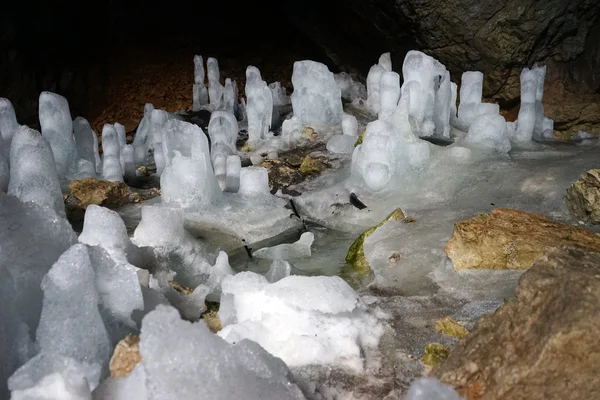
(317, 99)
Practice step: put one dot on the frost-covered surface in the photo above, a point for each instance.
(302, 320)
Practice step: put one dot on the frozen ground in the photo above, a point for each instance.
(291, 327)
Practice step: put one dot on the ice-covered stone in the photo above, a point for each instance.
(316, 99)
(285, 251)
(243, 370)
(279, 269)
(489, 132)
(111, 155)
(259, 107)
(32, 171)
(8, 123)
(303, 320)
(73, 328)
(85, 140)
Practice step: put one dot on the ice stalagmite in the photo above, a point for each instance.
(8, 123)
(57, 129)
(200, 94)
(317, 99)
(111, 155)
(259, 107)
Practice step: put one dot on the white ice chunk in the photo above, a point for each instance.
(489, 132)
(4, 167)
(444, 106)
(303, 320)
(431, 389)
(218, 273)
(111, 155)
(215, 89)
(57, 129)
(279, 269)
(341, 144)
(212, 66)
(200, 93)
(8, 123)
(385, 60)
(229, 99)
(223, 131)
(198, 70)
(291, 131)
(471, 92)
(122, 137)
(55, 386)
(32, 171)
(104, 227)
(129, 161)
(373, 79)
(254, 181)
(349, 125)
(142, 141)
(130, 387)
(316, 99)
(243, 370)
(285, 251)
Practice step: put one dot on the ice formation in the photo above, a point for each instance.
(122, 140)
(316, 99)
(280, 98)
(279, 269)
(70, 329)
(351, 90)
(215, 89)
(254, 182)
(33, 175)
(111, 155)
(57, 129)
(243, 370)
(470, 107)
(188, 178)
(489, 132)
(142, 140)
(373, 80)
(86, 141)
(389, 94)
(531, 123)
(302, 320)
(200, 94)
(285, 251)
(259, 107)
(8, 123)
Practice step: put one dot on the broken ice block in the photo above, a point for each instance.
(285, 251)
(260, 105)
(349, 125)
(254, 181)
(111, 155)
(317, 99)
(8, 123)
(223, 131)
(57, 129)
(32, 171)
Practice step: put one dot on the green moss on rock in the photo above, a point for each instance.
(435, 353)
(360, 138)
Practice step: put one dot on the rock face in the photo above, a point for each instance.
(511, 239)
(103, 193)
(583, 197)
(498, 37)
(125, 357)
(541, 345)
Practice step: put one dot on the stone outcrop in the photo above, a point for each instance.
(511, 239)
(583, 197)
(541, 345)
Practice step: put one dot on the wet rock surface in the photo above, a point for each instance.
(583, 197)
(540, 345)
(511, 239)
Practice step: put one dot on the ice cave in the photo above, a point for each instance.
(300, 200)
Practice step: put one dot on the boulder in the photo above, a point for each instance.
(102, 193)
(543, 344)
(511, 239)
(583, 197)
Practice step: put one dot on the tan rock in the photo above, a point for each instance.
(103, 193)
(311, 166)
(450, 327)
(541, 345)
(280, 174)
(583, 197)
(125, 357)
(511, 239)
